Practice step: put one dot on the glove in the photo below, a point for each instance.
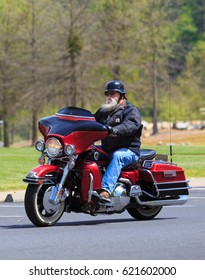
(111, 130)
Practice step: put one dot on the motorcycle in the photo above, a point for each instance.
(71, 165)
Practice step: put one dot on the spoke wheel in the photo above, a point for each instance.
(38, 208)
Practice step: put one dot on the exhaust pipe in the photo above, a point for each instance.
(164, 202)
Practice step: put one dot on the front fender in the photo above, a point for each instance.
(43, 174)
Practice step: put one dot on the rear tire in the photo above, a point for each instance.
(145, 212)
(38, 208)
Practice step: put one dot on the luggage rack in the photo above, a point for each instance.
(178, 187)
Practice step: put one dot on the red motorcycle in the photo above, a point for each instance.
(71, 178)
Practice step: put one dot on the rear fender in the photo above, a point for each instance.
(43, 174)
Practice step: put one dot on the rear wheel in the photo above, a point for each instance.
(145, 212)
(38, 208)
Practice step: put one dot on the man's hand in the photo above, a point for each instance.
(112, 132)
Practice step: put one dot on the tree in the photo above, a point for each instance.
(191, 84)
(71, 26)
(10, 44)
(112, 42)
(37, 63)
(154, 43)
(61, 53)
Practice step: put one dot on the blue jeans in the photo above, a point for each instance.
(119, 159)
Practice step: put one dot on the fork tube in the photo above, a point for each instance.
(91, 187)
(65, 174)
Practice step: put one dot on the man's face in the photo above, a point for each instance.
(112, 99)
(112, 95)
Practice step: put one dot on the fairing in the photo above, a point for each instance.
(72, 125)
(69, 120)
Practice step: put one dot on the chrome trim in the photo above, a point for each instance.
(174, 182)
(36, 181)
(156, 184)
(65, 174)
(58, 188)
(173, 189)
(187, 187)
(135, 190)
(164, 202)
(150, 173)
(73, 149)
(90, 188)
(149, 163)
(42, 145)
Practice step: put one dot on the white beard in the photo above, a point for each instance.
(110, 104)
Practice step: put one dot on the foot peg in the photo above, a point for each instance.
(104, 199)
(97, 198)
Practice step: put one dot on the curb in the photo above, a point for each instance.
(18, 196)
(197, 182)
(12, 196)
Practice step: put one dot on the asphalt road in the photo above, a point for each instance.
(177, 233)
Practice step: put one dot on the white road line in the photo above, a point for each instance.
(180, 206)
(11, 216)
(11, 206)
(196, 197)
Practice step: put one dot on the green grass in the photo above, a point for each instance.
(190, 158)
(16, 162)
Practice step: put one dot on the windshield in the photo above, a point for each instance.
(68, 120)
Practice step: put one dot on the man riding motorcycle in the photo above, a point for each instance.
(123, 142)
(69, 177)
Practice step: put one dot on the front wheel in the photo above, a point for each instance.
(38, 208)
(145, 212)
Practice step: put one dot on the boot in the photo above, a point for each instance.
(104, 196)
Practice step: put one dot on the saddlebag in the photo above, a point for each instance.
(166, 177)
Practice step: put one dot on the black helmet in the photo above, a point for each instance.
(115, 85)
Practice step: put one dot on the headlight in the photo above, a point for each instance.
(53, 147)
(70, 150)
(40, 146)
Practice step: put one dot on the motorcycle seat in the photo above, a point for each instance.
(145, 154)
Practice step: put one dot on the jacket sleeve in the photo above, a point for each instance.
(131, 123)
(100, 117)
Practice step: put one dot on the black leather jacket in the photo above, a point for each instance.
(127, 126)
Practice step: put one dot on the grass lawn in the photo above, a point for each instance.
(16, 162)
(190, 158)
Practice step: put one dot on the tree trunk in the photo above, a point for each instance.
(34, 128)
(12, 134)
(6, 132)
(154, 91)
(33, 74)
(5, 115)
(73, 90)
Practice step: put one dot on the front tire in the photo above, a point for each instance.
(38, 208)
(145, 212)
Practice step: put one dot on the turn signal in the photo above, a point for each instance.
(41, 160)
